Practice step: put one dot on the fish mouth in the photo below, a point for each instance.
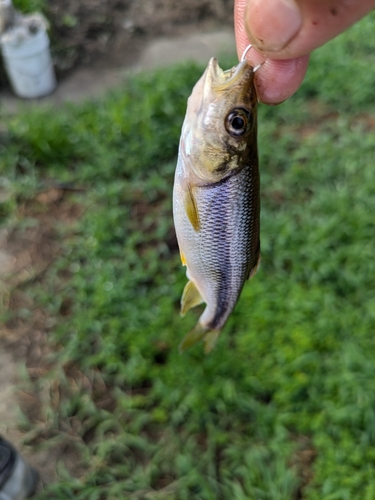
(218, 79)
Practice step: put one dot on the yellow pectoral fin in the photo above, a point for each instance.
(190, 298)
(191, 208)
(197, 334)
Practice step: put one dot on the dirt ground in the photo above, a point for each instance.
(25, 255)
(89, 37)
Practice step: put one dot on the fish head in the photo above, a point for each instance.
(219, 135)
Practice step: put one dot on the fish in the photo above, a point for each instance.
(216, 196)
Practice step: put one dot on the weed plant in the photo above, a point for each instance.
(284, 407)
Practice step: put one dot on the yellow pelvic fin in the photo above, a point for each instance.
(198, 333)
(191, 208)
(190, 298)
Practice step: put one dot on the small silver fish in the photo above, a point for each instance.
(216, 202)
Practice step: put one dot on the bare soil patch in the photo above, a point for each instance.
(24, 339)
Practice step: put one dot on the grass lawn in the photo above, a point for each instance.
(284, 407)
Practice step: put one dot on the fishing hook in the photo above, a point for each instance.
(244, 56)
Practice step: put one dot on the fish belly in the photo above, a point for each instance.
(221, 254)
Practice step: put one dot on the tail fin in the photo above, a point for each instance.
(197, 334)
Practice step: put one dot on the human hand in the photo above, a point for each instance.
(284, 32)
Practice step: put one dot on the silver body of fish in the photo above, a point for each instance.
(216, 202)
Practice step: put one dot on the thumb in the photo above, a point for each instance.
(283, 29)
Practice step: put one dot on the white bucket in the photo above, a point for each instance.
(28, 64)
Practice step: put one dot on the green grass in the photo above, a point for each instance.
(293, 369)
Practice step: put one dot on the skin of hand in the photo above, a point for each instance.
(283, 34)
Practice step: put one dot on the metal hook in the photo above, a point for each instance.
(259, 66)
(244, 55)
(245, 52)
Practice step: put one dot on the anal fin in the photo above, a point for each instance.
(190, 297)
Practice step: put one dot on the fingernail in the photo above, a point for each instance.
(271, 24)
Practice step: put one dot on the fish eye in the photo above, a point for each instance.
(238, 121)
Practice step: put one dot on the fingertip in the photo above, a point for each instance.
(277, 80)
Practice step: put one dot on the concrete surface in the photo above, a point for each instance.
(91, 81)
